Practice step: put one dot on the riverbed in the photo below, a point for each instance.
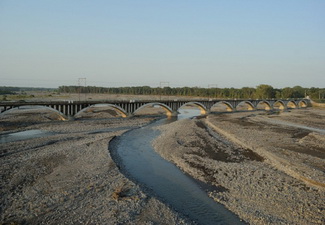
(134, 154)
(269, 166)
(69, 177)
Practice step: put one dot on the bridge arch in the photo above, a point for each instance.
(246, 104)
(302, 104)
(203, 109)
(118, 109)
(168, 110)
(279, 104)
(35, 107)
(265, 105)
(222, 106)
(291, 104)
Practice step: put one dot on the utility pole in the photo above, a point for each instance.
(81, 81)
(162, 85)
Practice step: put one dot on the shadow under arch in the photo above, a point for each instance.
(248, 104)
(168, 110)
(35, 107)
(265, 105)
(279, 105)
(120, 110)
(291, 104)
(203, 109)
(221, 105)
(302, 104)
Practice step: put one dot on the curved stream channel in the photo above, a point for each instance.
(134, 154)
(137, 159)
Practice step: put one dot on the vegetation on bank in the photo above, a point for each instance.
(14, 90)
(262, 91)
(20, 93)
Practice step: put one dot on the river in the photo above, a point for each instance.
(136, 158)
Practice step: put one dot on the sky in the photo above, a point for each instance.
(176, 43)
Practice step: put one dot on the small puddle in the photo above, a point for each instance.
(134, 154)
(24, 135)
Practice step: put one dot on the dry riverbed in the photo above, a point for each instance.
(69, 177)
(268, 168)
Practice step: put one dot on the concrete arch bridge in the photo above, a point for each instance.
(127, 108)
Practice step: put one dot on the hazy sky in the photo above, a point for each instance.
(228, 43)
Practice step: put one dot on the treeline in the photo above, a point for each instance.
(4, 90)
(262, 91)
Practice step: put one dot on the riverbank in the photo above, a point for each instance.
(267, 168)
(69, 177)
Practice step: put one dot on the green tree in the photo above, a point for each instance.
(298, 92)
(265, 91)
(247, 92)
(287, 92)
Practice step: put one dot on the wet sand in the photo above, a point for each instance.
(264, 170)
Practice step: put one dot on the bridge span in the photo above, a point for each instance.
(127, 108)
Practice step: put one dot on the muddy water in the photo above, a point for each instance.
(136, 158)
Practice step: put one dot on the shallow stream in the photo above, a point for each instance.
(136, 158)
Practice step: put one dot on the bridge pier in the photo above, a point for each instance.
(59, 108)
